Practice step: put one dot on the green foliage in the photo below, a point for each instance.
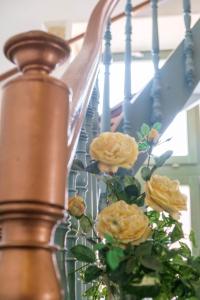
(162, 267)
(153, 269)
(143, 146)
(142, 291)
(145, 129)
(146, 173)
(143, 143)
(126, 188)
(93, 168)
(92, 273)
(157, 126)
(83, 253)
(77, 165)
(114, 257)
(86, 224)
(177, 232)
(96, 292)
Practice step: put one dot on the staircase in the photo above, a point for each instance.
(80, 120)
(175, 93)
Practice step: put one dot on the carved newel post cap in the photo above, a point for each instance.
(36, 50)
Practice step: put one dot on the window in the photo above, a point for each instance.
(142, 72)
(185, 218)
(177, 132)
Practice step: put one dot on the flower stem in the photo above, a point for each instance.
(91, 224)
(78, 269)
(121, 294)
(107, 283)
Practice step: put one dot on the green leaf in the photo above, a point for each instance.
(109, 238)
(139, 201)
(196, 286)
(130, 264)
(114, 257)
(144, 291)
(132, 186)
(130, 180)
(93, 168)
(146, 173)
(153, 216)
(132, 190)
(91, 273)
(184, 250)
(193, 238)
(85, 224)
(77, 165)
(144, 249)
(151, 262)
(159, 161)
(83, 253)
(157, 126)
(162, 296)
(99, 246)
(91, 292)
(195, 263)
(145, 129)
(143, 146)
(177, 233)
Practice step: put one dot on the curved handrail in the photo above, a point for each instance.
(114, 19)
(80, 75)
(135, 8)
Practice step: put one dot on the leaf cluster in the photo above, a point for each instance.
(126, 188)
(161, 268)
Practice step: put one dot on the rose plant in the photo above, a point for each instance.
(137, 249)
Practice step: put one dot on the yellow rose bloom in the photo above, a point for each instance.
(127, 223)
(163, 194)
(113, 150)
(153, 135)
(76, 206)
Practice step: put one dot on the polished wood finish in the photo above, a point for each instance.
(8, 74)
(33, 140)
(40, 126)
(86, 62)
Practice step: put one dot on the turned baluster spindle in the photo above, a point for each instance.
(95, 131)
(128, 62)
(188, 45)
(60, 240)
(71, 241)
(82, 187)
(88, 126)
(156, 115)
(107, 58)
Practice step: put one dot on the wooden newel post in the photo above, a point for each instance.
(33, 146)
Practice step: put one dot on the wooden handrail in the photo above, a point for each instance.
(136, 8)
(81, 74)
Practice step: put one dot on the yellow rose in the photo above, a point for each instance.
(153, 135)
(113, 150)
(163, 194)
(76, 206)
(127, 223)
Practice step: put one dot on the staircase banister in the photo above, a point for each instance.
(80, 75)
(136, 8)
